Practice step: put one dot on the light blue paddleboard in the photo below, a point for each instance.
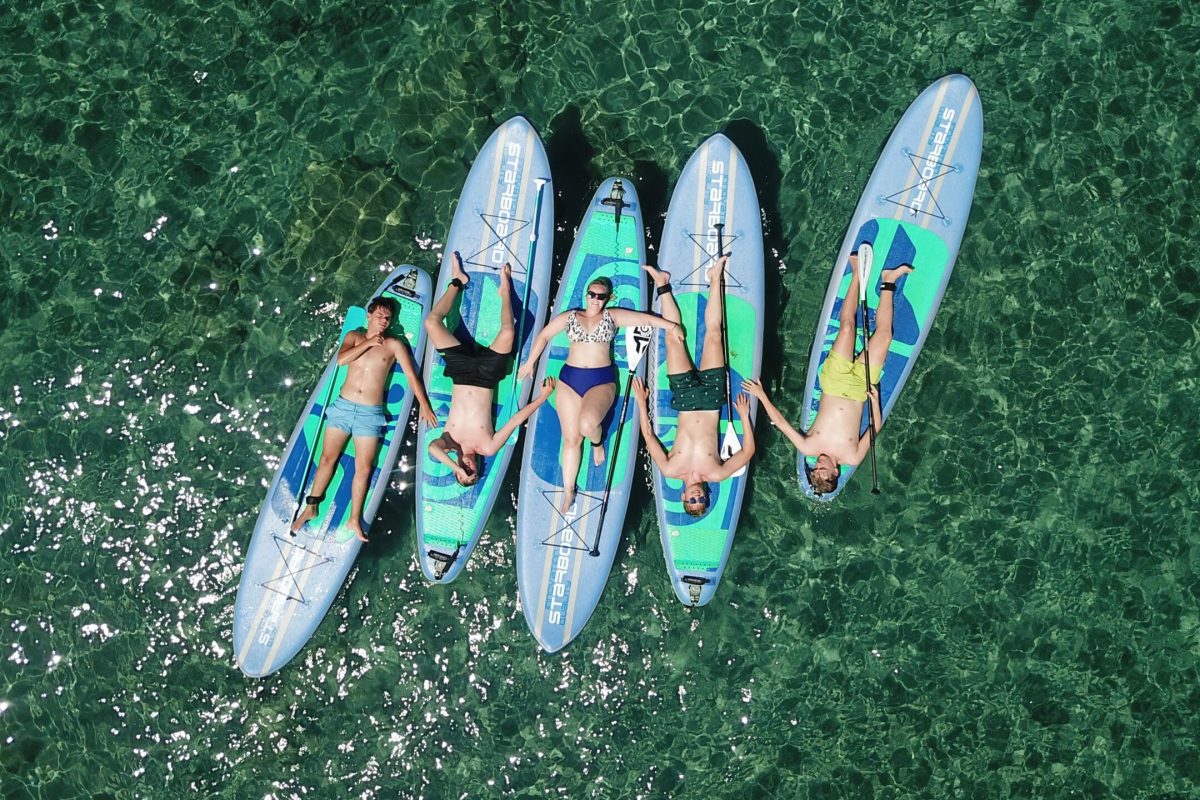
(498, 213)
(913, 211)
(289, 582)
(715, 187)
(563, 560)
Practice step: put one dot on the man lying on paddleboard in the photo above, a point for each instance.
(834, 436)
(697, 394)
(475, 372)
(358, 410)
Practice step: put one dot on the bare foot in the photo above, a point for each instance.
(309, 512)
(660, 277)
(568, 500)
(598, 453)
(717, 269)
(456, 267)
(505, 280)
(356, 527)
(892, 275)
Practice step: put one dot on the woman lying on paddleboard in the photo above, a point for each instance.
(587, 384)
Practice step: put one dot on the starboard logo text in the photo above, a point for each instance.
(508, 198)
(560, 586)
(933, 158)
(716, 210)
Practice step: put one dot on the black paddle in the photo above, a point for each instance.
(866, 255)
(637, 342)
(347, 326)
(730, 444)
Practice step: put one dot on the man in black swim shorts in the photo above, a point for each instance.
(475, 372)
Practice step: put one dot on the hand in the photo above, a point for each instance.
(754, 386)
(375, 341)
(873, 393)
(678, 333)
(742, 404)
(547, 387)
(640, 392)
(428, 417)
(525, 371)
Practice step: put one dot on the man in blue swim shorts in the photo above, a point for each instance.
(368, 357)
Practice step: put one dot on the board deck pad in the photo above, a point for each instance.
(913, 211)
(714, 187)
(496, 214)
(289, 582)
(564, 560)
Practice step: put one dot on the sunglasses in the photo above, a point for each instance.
(597, 295)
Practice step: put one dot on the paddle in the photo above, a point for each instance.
(866, 255)
(352, 322)
(540, 183)
(637, 342)
(731, 444)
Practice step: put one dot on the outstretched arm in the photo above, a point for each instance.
(408, 366)
(519, 418)
(627, 318)
(799, 440)
(742, 457)
(554, 327)
(654, 447)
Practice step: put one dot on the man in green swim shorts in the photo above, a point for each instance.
(834, 436)
(697, 394)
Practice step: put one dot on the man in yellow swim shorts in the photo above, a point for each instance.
(834, 436)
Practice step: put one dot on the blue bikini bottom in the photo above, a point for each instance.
(583, 378)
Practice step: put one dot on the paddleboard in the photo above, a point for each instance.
(714, 188)
(913, 211)
(289, 582)
(563, 560)
(498, 212)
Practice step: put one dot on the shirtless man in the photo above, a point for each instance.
(834, 436)
(475, 372)
(698, 396)
(358, 410)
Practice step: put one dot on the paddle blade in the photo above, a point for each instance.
(637, 342)
(730, 446)
(866, 259)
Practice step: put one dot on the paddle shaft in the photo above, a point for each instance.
(634, 362)
(533, 242)
(312, 451)
(867, 364)
(720, 226)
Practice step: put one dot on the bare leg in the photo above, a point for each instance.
(569, 404)
(714, 315)
(845, 343)
(503, 343)
(678, 358)
(333, 444)
(364, 462)
(595, 405)
(435, 324)
(881, 340)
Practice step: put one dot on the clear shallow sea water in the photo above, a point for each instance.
(191, 193)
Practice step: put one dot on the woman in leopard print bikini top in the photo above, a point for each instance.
(587, 385)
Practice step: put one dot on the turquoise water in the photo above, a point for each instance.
(192, 192)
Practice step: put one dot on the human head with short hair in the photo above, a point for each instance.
(695, 497)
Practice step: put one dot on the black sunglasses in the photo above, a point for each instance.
(597, 296)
